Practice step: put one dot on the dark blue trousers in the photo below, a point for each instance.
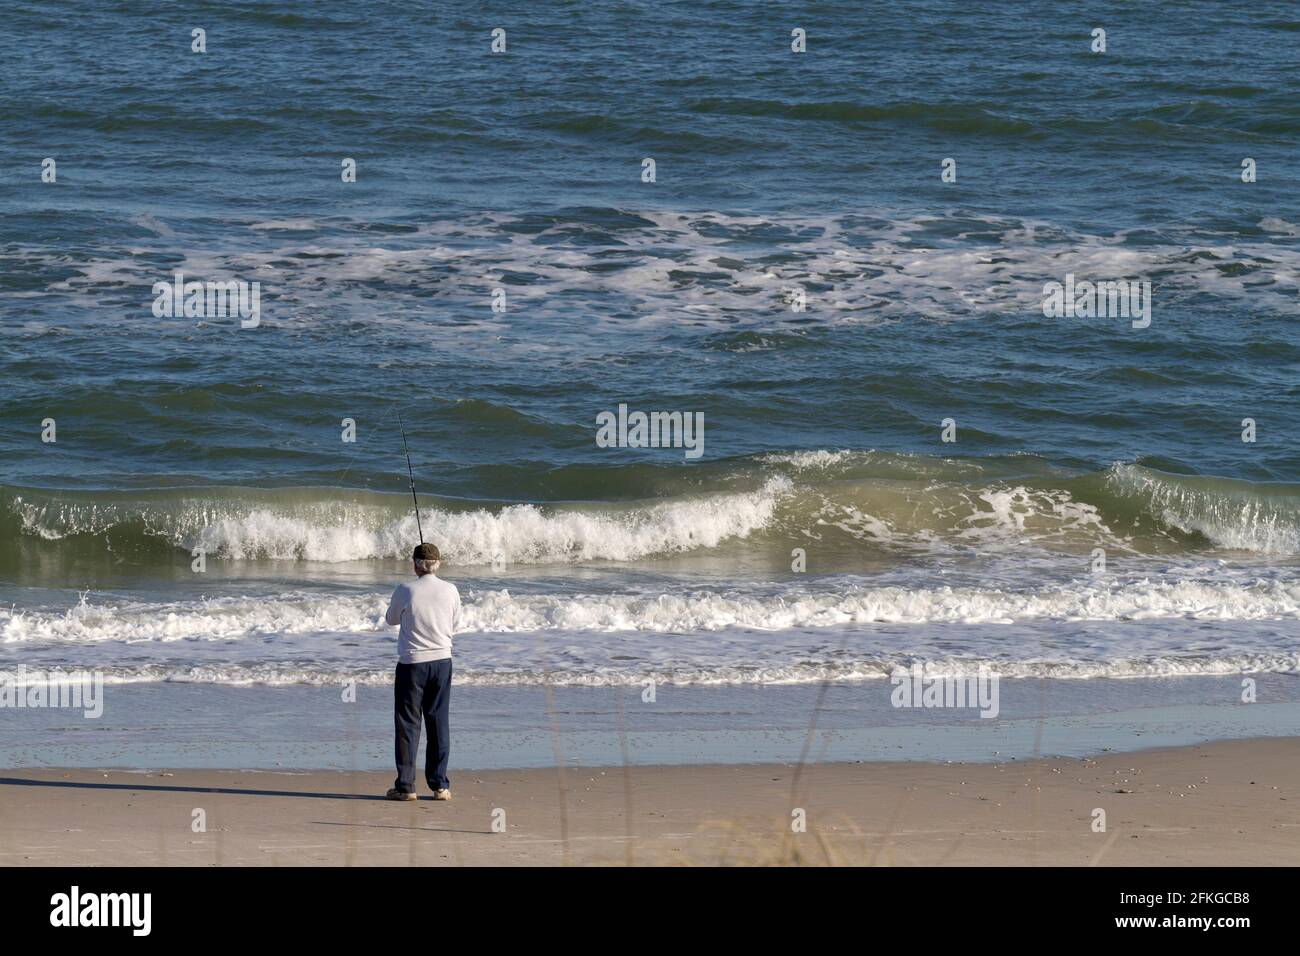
(422, 692)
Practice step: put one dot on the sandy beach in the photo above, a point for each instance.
(1223, 803)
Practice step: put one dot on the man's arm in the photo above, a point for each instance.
(396, 606)
(455, 615)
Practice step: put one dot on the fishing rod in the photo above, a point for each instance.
(409, 473)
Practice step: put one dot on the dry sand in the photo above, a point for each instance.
(1225, 803)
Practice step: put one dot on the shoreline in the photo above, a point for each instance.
(198, 726)
(643, 767)
(1221, 803)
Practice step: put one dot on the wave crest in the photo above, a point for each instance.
(847, 504)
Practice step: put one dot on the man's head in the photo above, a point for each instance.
(427, 559)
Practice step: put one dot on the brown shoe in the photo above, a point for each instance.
(395, 794)
(442, 794)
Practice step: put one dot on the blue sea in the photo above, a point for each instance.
(835, 259)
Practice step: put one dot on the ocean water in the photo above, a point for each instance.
(775, 173)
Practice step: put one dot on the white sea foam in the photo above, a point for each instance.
(804, 671)
(1009, 510)
(1279, 226)
(517, 534)
(343, 531)
(813, 460)
(1232, 514)
(773, 608)
(1197, 624)
(861, 270)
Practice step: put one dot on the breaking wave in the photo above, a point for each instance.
(851, 502)
(779, 609)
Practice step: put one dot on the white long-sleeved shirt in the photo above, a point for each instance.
(428, 609)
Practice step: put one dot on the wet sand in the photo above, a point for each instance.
(1221, 803)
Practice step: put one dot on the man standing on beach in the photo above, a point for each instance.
(428, 610)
